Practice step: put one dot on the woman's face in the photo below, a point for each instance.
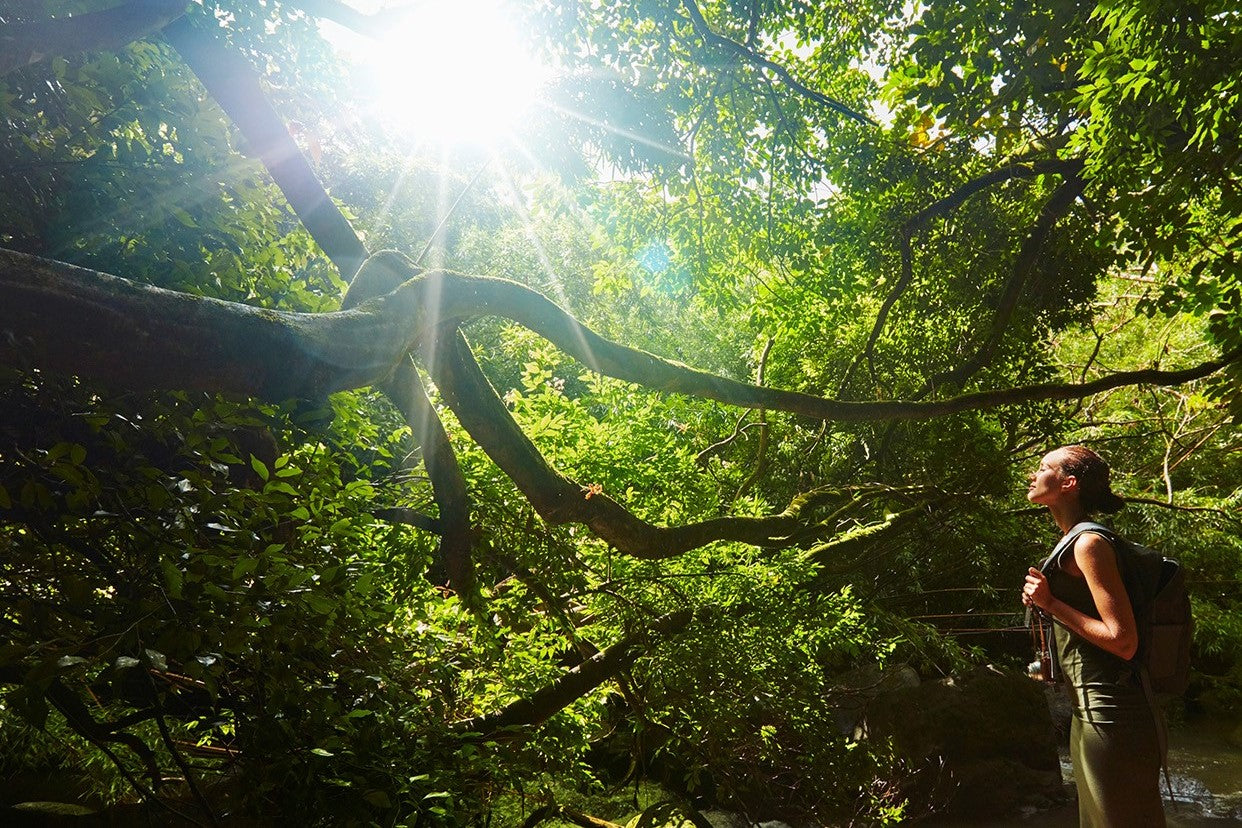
(1047, 482)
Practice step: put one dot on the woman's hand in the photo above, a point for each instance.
(1036, 592)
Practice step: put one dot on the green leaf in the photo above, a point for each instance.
(378, 798)
(172, 577)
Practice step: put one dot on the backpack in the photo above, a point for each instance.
(1165, 625)
(1156, 586)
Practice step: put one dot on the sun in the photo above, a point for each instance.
(454, 71)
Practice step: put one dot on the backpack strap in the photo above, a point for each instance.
(1162, 727)
(1067, 543)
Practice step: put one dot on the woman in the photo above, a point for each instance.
(1113, 739)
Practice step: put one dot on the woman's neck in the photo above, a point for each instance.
(1067, 515)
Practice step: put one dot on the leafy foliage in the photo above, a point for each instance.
(209, 605)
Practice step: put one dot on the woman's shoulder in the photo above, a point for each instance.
(1093, 550)
(1090, 547)
(1094, 541)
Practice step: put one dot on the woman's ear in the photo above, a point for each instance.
(1069, 483)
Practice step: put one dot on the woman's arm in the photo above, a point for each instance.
(1096, 561)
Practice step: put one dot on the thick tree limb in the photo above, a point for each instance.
(560, 500)
(235, 86)
(22, 44)
(579, 681)
(376, 25)
(60, 317)
(73, 320)
(448, 484)
(755, 59)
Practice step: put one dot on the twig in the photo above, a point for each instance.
(754, 58)
(177, 757)
(761, 456)
(444, 219)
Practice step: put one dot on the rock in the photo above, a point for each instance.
(1235, 736)
(979, 745)
(855, 689)
(726, 819)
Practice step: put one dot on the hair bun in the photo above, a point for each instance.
(1110, 503)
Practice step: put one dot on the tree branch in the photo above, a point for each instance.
(559, 499)
(82, 722)
(235, 87)
(448, 484)
(186, 772)
(1165, 504)
(942, 207)
(755, 59)
(379, 275)
(579, 681)
(1057, 205)
(376, 25)
(65, 318)
(22, 44)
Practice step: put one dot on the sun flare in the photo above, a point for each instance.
(454, 71)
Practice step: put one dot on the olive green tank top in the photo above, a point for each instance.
(1088, 668)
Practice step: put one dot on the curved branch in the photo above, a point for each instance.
(937, 209)
(448, 484)
(559, 499)
(235, 87)
(22, 44)
(579, 681)
(720, 445)
(853, 540)
(1057, 205)
(755, 59)
(1029, 169)
(376, 25)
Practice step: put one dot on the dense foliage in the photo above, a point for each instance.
(222, 606)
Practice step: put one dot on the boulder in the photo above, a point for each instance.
(977, 746)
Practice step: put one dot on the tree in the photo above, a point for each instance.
(903, 268)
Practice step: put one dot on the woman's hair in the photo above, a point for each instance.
(1095, 492)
